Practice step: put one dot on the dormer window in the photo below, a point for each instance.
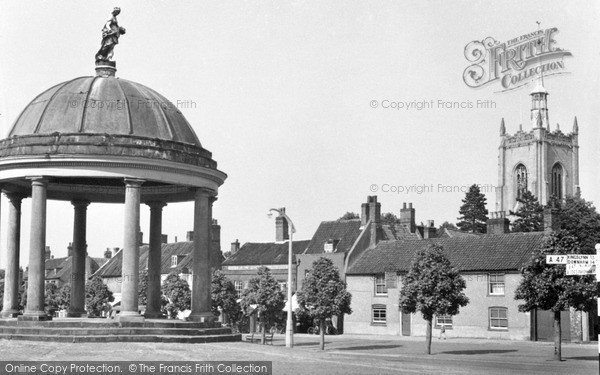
(330, 245)
(174, 260)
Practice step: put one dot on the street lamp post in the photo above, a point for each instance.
(289, 328)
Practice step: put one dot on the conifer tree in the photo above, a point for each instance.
(473, 213)
(530, 215)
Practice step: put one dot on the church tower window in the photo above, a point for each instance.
(557, 179)
(521, 180)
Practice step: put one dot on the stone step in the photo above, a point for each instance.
(105, 331)
(127, 338)
(108, 323)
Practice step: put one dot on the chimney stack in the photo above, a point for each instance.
(108, 253)
(407, 217)
(47, 253)
(70, 249)
(235, 246)
(364, 214)
(429, 230)
(115, 250)
(498, 223)
(281, 229)
(164, 238)
(189, 236)
(141, 238)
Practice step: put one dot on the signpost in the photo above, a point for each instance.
(580, 264)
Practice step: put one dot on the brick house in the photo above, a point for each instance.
(489, 264)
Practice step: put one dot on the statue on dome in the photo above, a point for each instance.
(110, 37)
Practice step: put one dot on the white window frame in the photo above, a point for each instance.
(496, 287)
(445, 320)
(380, 282)
(239, 287)
(174, 261)
(497, 318)
(378, 314)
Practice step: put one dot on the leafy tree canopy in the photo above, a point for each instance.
(97, 296)
(446, 224)
(349, 216)
(473, 212)
(432, 286)
(581, 220)
(547, 287)
(177, 294)
(323, 292)
(530, 214)
(264, 292)
(389, 218)
(224, 296)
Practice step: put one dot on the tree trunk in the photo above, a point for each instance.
(322, 333)
(428, 336)
(263, 338)
(557, 337)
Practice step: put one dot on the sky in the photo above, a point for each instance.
(293, 99)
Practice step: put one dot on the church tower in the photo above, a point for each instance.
(543, 161)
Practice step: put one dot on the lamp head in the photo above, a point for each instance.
(597, 246)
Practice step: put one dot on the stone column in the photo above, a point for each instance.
(154, 261)
(37, 245)
(130, 266)
(77, 305)
(201, 277)
(13, 245)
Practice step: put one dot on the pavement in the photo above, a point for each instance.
(343, 354)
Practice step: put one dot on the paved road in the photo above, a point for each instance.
(343, 355)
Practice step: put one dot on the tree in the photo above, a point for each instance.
(546, 287)
(530, 215)
(432, 287)
(473, 212)
(264, 292)
(224, 297)
(51, 298)
(448, 225)
(349, 216)
(581, 220)
(389, 219)
(178, 294)
(323, 295)
(143, 288)
(64, 296)
(97, 296)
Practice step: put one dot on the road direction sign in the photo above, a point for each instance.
(581, 264)
(556, 259)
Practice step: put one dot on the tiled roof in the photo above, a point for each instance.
(346, 231)
(253, 253)
(64, 268)
(53, 263)
(397, 232)
(489, 252)
(453, 233)
(183, 249)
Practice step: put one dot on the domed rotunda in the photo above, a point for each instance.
(102, 139)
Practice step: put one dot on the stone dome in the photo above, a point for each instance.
(104, 105)
(89, 133)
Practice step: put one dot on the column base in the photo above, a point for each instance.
(154, 315)
(34, 317)
(130, 318)
(77, 314)
(203, 317)
(10, 314)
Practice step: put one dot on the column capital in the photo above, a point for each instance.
(80, 203)
(155, 205)
(38, 180)
(14, 196)
(133, 182)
